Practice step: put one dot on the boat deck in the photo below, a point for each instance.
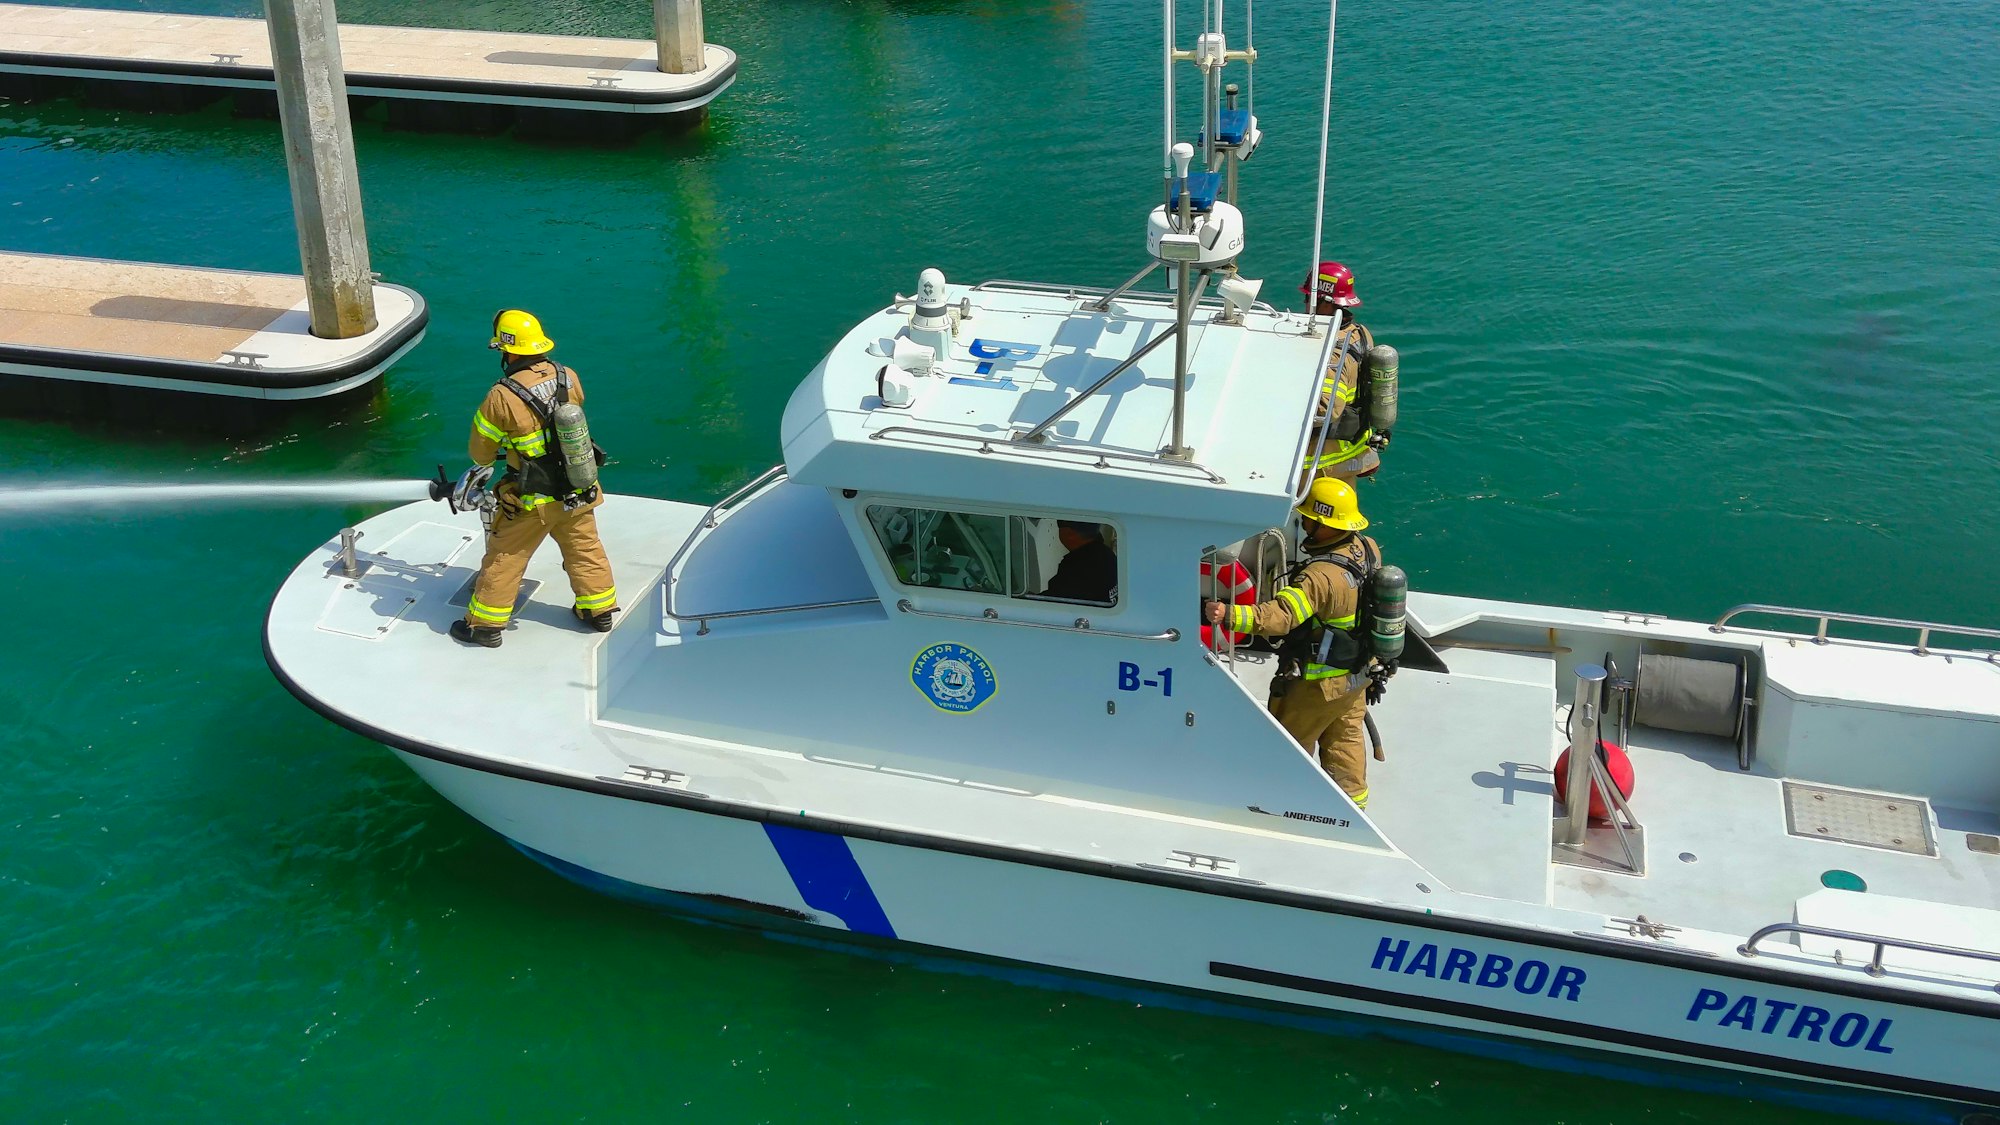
(1467, 791)
(557, 71)
(392, 622)
(1470, 802)
(186, 328)
(1719, 856)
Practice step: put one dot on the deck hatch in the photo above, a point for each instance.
(1850, 816)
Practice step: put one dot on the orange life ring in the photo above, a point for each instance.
(1233, 584)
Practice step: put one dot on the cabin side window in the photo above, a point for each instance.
(1035, 558)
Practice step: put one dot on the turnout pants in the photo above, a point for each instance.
(512, 543)
(1328, 719)
(1351, 470)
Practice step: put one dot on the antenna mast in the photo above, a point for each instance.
(1194, 233)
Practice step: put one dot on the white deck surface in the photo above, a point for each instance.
(1467, 791)
(1960, 927)
(1746, 870)
(1469, 801)
(1888, 678)
(377, 59)
(1026, 354)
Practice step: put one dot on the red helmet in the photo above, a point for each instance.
(1333, 282)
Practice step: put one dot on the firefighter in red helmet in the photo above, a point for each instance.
(1350, 449)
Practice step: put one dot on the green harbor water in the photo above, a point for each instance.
(1698, 304)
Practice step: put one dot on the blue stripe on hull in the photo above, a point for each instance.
(822, 867)
(802, 929)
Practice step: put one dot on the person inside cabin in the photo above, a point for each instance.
(1350, 449)
(1324, 682)
(1089, 571)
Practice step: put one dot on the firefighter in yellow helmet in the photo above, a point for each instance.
(535, 500)
(1320, 695)
(1351, 448)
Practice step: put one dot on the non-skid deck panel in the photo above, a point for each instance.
(1466, 790)
(452, 64)
(1879, 820)
(107, 321)
(1744, 870)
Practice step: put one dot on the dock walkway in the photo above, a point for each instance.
(484, 67)
(213, 331)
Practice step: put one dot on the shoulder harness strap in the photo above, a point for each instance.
(546, 414)
(1360, 570)
(1352, 343)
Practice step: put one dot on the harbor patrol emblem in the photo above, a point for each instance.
(953, 677)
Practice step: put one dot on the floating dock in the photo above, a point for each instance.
(224, 54)
(182, 328)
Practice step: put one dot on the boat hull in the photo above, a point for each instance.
(1252, 950)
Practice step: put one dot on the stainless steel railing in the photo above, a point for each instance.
(1874, 967)
(1583, 718)
(1172, 331)
(1924, 629)
(990, 444)
(1257, 564)
(708, 523)
(1588, 778)
(1080, 625)
(1105, 294)
(1339, 326)
(1309, 450)
(1224, 639)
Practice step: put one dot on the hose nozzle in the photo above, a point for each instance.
(468, 493)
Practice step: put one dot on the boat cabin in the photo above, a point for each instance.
(891, 582)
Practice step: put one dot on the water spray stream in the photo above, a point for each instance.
(63, 496)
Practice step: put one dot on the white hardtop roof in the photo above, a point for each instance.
(1023, 354)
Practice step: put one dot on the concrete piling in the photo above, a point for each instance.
(319, 155)
(677, 28)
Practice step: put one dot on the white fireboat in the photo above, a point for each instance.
(837, 700)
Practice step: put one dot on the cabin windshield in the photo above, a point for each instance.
(1030, 557)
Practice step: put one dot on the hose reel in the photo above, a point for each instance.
(1695, 695)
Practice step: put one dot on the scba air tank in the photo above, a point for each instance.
(1382, 360)
(1392, 596)
(578, 454)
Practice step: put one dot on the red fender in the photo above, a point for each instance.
(1615, 763)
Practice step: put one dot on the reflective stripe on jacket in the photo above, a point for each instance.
(504, 425)
(1323, 593)
(1338, 390)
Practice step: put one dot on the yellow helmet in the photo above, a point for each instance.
(1333, 503)
(519, 333)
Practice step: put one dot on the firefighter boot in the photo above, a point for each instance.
(598, 621)
(482, 635)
